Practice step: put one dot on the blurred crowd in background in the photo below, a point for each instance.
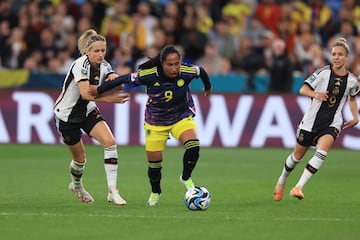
(275, 37)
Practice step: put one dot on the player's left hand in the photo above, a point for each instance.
(118, 97)
(207, 92)
(111, 77)
(350, 123)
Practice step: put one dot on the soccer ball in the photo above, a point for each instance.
(197, 198)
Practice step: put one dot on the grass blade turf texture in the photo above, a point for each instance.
(35, 202)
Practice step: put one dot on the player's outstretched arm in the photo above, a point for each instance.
(107, 85)
(206, 81)
(88, 92)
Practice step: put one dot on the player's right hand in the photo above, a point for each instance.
(93, 90)
(119, 97)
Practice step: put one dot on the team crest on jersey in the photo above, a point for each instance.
(180, 82)
(336, 89)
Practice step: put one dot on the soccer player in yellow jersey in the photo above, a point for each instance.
(169, 110)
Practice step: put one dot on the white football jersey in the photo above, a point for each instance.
(324, 114)
(69, 106)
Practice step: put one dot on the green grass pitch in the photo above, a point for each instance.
(35, 202)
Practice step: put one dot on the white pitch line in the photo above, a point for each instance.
(229, 218)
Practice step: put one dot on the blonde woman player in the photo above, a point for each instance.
(328, 88)
(76, 111)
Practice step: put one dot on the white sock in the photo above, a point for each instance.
(111, 166)
(290, 164)
(77, 170)
(312, 167)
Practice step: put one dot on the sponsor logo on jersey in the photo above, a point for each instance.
(338, 81)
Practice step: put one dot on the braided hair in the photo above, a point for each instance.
(160, 58)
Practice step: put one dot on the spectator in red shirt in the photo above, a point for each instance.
(269, 13)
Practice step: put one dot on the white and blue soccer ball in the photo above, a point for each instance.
(197, 198)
